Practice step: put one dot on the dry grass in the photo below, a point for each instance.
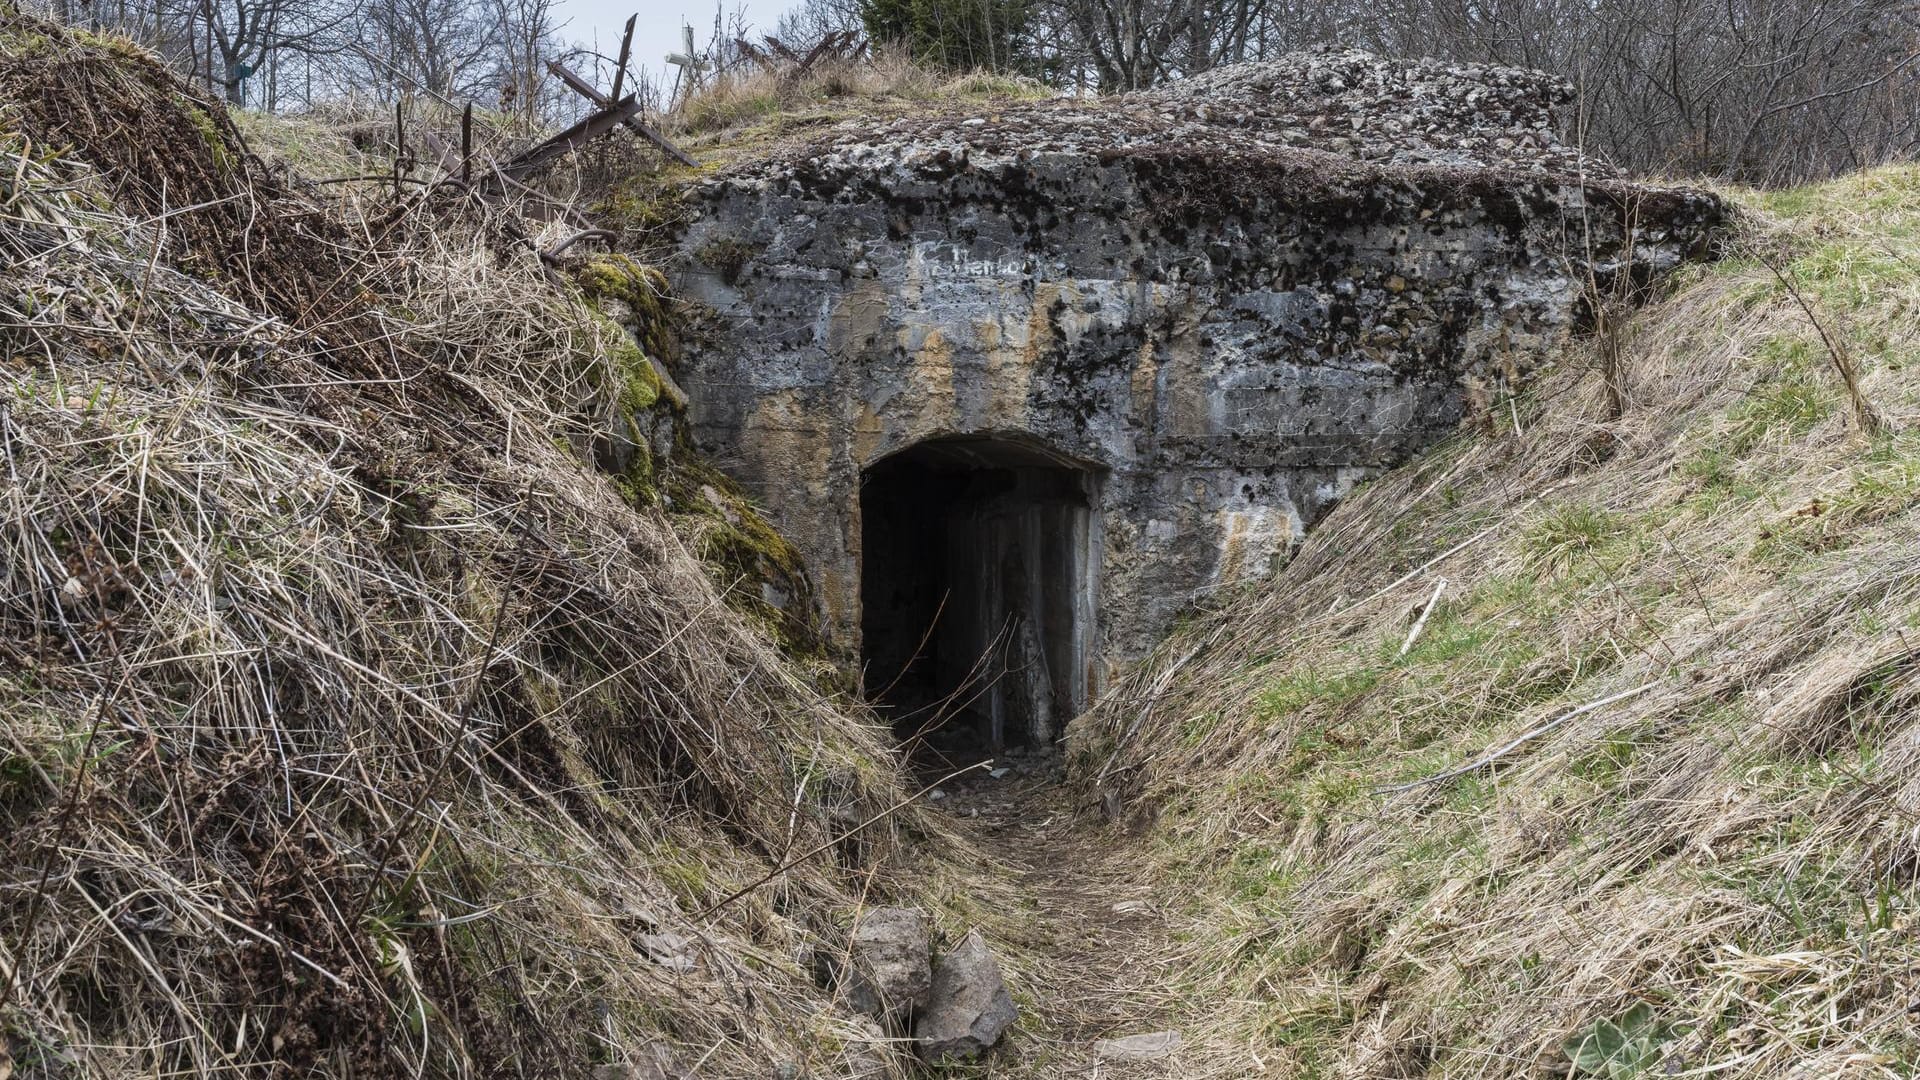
(886, 83)
(1735, 848)
(351, 722)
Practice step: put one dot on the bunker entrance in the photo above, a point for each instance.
(979, 566)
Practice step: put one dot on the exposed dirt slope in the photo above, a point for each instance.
(1587, 744)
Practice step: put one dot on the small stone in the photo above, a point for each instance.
(969, 1008)
(999, 773)
(936, 795)
(892, 972)
(671, 950)
(1152, 1046)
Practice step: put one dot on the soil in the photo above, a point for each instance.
(1094, 954)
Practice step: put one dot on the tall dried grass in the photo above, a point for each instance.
(1714, 874)
(888, 79)
(350, 723)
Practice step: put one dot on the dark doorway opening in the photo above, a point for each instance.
(978, 578)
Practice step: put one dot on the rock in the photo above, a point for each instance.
(969, 1008)
(825, 965)
(892, 973)
(1152, 1046)
(671, 950)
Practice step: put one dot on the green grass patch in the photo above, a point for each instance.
(1611, 755)
(1569, 533)
(1314, 689)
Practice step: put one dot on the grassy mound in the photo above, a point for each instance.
(1584, 746)
(352, 722)
(833, 89)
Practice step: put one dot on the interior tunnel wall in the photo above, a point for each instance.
(979, 590)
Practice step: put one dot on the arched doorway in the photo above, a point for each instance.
(978, 578)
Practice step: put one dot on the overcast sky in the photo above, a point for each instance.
(596, 24)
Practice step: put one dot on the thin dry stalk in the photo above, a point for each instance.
(1865, 416)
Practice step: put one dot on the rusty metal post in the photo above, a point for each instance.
(620, 66)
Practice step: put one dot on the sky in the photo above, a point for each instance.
(596, 24)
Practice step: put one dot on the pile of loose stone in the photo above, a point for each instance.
(1401, 112)
(1336, 105)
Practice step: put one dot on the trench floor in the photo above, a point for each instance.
(1092, 956)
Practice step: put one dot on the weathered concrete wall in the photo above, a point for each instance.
(1233, 313)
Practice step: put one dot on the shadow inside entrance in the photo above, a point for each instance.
(978, 580)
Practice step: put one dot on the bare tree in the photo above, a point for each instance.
(804, 26)
(527, 32)
(1129, 44)
(246, 35)
(1767, 91)
(443, 47)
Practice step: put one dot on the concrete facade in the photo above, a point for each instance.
(1225, 305)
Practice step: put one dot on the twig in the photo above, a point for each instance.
(1421, 623)
(1160, 685)
(710, 909)
(1452, 551)
(67, 808)
(1864, 414)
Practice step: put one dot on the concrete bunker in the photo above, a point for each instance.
(1236, 296)
(979, 573)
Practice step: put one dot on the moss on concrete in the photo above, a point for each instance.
(639, 383)
(746, 556)
(641, 288)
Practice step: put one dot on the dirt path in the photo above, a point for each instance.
(1097, 948)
